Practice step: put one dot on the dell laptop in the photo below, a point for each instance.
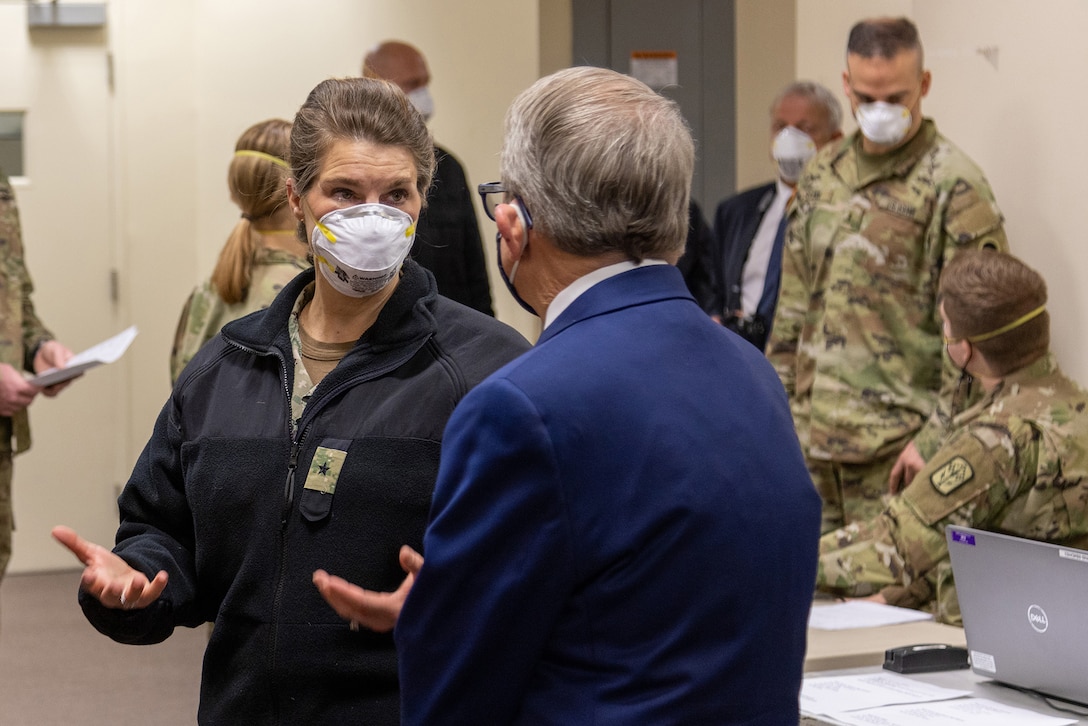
(1025, 610)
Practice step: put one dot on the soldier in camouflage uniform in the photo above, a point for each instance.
(25, 345)
(856, 338)
(205, 312)
(263, 252)
(1015, 462)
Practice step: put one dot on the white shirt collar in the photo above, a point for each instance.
(572, 291)
(784, 190)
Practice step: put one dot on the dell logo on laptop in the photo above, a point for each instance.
(1037, 619)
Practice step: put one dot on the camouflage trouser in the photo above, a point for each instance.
(851, 492)
(6, 525)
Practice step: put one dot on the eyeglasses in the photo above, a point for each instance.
(493, 194)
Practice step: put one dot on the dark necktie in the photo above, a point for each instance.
(769, 299)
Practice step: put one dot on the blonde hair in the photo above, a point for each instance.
(256, 178)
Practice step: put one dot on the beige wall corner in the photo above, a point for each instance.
(766, 39)
(555, 36)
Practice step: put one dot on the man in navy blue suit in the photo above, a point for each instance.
(746, 256)
(623, 529)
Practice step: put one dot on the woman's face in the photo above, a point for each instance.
(359, 172)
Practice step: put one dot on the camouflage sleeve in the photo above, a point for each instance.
(793, 303)
(34, 331)
(933, 432)
(902, 554)
(969, 482)
(199, 322)
(17, 279)
(859, 559)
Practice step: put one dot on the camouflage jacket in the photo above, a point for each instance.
(20, 330)
(1016, 462)
(857, 336)
(205, 312)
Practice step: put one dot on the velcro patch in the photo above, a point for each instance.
(325, 469)
(952, 475)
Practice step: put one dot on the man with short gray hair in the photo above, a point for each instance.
(619, 465)
(749, 227)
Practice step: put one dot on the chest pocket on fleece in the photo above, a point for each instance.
(322, 477)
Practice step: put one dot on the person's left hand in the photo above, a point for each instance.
(52, 354)
(377, 611)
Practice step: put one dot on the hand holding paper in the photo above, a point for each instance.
(107, 351)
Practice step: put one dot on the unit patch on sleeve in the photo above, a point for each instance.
(952, 475)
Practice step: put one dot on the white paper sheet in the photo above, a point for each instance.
(960, 712)
(861, 614)
(836, 694)
(107, 351)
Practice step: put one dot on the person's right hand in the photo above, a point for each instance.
(15, 393)
(109, 578)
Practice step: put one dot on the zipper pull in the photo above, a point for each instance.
(289, 487)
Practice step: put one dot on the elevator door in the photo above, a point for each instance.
(695, 39)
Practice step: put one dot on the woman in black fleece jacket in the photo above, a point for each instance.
(304, 437)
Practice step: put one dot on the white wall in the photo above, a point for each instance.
(1020, 117)
(189, 78)
(766, 60)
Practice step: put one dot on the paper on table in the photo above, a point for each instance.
(960, 712)
(861, 614)
(834, 694)
(105, 352)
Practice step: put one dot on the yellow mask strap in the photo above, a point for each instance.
(325, 231)
(261, 155)
(1006, 328)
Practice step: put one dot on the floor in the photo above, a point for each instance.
(56, 669)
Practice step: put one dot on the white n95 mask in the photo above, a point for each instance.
(883, 123)
(421, 99)
(792, 147)
(359, 249)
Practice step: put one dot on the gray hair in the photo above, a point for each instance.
(817, 94)
(602, 162)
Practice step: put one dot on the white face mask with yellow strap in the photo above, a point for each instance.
(359, 249)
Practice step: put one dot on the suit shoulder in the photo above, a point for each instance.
(746, 198)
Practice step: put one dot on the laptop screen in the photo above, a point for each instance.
(1025, 610)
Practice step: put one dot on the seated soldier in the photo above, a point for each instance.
(1015, 462)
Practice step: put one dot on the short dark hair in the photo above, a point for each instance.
(983, 290)
(883, 38)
